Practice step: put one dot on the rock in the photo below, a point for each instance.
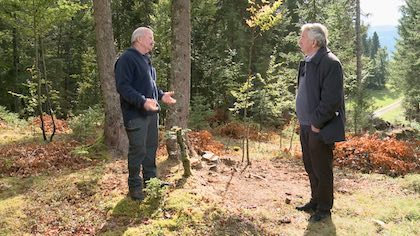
(209, 156)
(213, 167)
(404, 133)
(380, 124)
(343, 191)
(196, 164)
(288, 200)
(285, 220)
(379, 223)
(258, 177)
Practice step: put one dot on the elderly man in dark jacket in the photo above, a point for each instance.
(320, 111)
(136, 83)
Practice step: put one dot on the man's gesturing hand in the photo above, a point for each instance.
(167, 98)
(151, 105)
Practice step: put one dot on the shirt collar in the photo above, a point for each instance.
(308, 58)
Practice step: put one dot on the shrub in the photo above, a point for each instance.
(200, 112)
(10, 119)
(371, 153)
(88, 124)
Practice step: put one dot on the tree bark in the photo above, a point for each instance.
(16, 63)
(180, 78)
(359, 99)
(184, 156)
(114, 132)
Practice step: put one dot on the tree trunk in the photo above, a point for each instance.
(184, 156)
(359, 99)
(180, 78)
(49, 106)
(16, 102)
(115, 136)
(38, 75)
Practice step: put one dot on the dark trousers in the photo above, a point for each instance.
(143, 143)
(317, 158)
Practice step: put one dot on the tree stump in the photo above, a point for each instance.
(184, 156)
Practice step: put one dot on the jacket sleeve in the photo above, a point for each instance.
(331, 94)
(160, 94)
(124, 75)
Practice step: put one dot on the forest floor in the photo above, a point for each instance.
(46, 189)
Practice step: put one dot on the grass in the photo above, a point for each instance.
(379, 98)
(384, 97)
(8, 136)
(12, 218)
(394, 116)
(398, 212)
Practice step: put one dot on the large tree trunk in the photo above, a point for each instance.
(115, 136)
(180, 69)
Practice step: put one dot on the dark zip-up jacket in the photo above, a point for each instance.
(135, 79)
(325, 94)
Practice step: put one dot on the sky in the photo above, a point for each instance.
(383, 12)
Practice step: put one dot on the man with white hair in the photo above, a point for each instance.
(321, 114)
(136, 83)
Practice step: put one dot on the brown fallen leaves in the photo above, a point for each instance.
(61, 126)
(26, 159)
(372, 154)
(203, 141)
(238, 130)
(367, 153)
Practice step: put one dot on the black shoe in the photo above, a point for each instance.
(136, 194)
(320, 215)
(166, 184)
(308, 207)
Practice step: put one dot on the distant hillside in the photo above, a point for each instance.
(387, 36)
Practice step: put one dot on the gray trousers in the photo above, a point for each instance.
(143, 143)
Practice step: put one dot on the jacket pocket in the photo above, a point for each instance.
(135, 124)
(333, 131)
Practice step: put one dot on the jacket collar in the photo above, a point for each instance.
(319, 54)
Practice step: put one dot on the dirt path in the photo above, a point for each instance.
(388, 108)
(264, 184)
(267, 189)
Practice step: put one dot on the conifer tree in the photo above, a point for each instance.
(406, 67)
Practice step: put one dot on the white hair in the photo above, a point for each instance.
(138, 33)
(317, 32)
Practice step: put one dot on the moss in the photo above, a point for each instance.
(12, 216)
(411, 182)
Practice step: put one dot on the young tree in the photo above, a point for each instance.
(115, 136)
(375, 45)
(359, 99)
(262, 17)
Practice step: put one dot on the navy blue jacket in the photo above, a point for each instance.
(324, 77)
(135, 79)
